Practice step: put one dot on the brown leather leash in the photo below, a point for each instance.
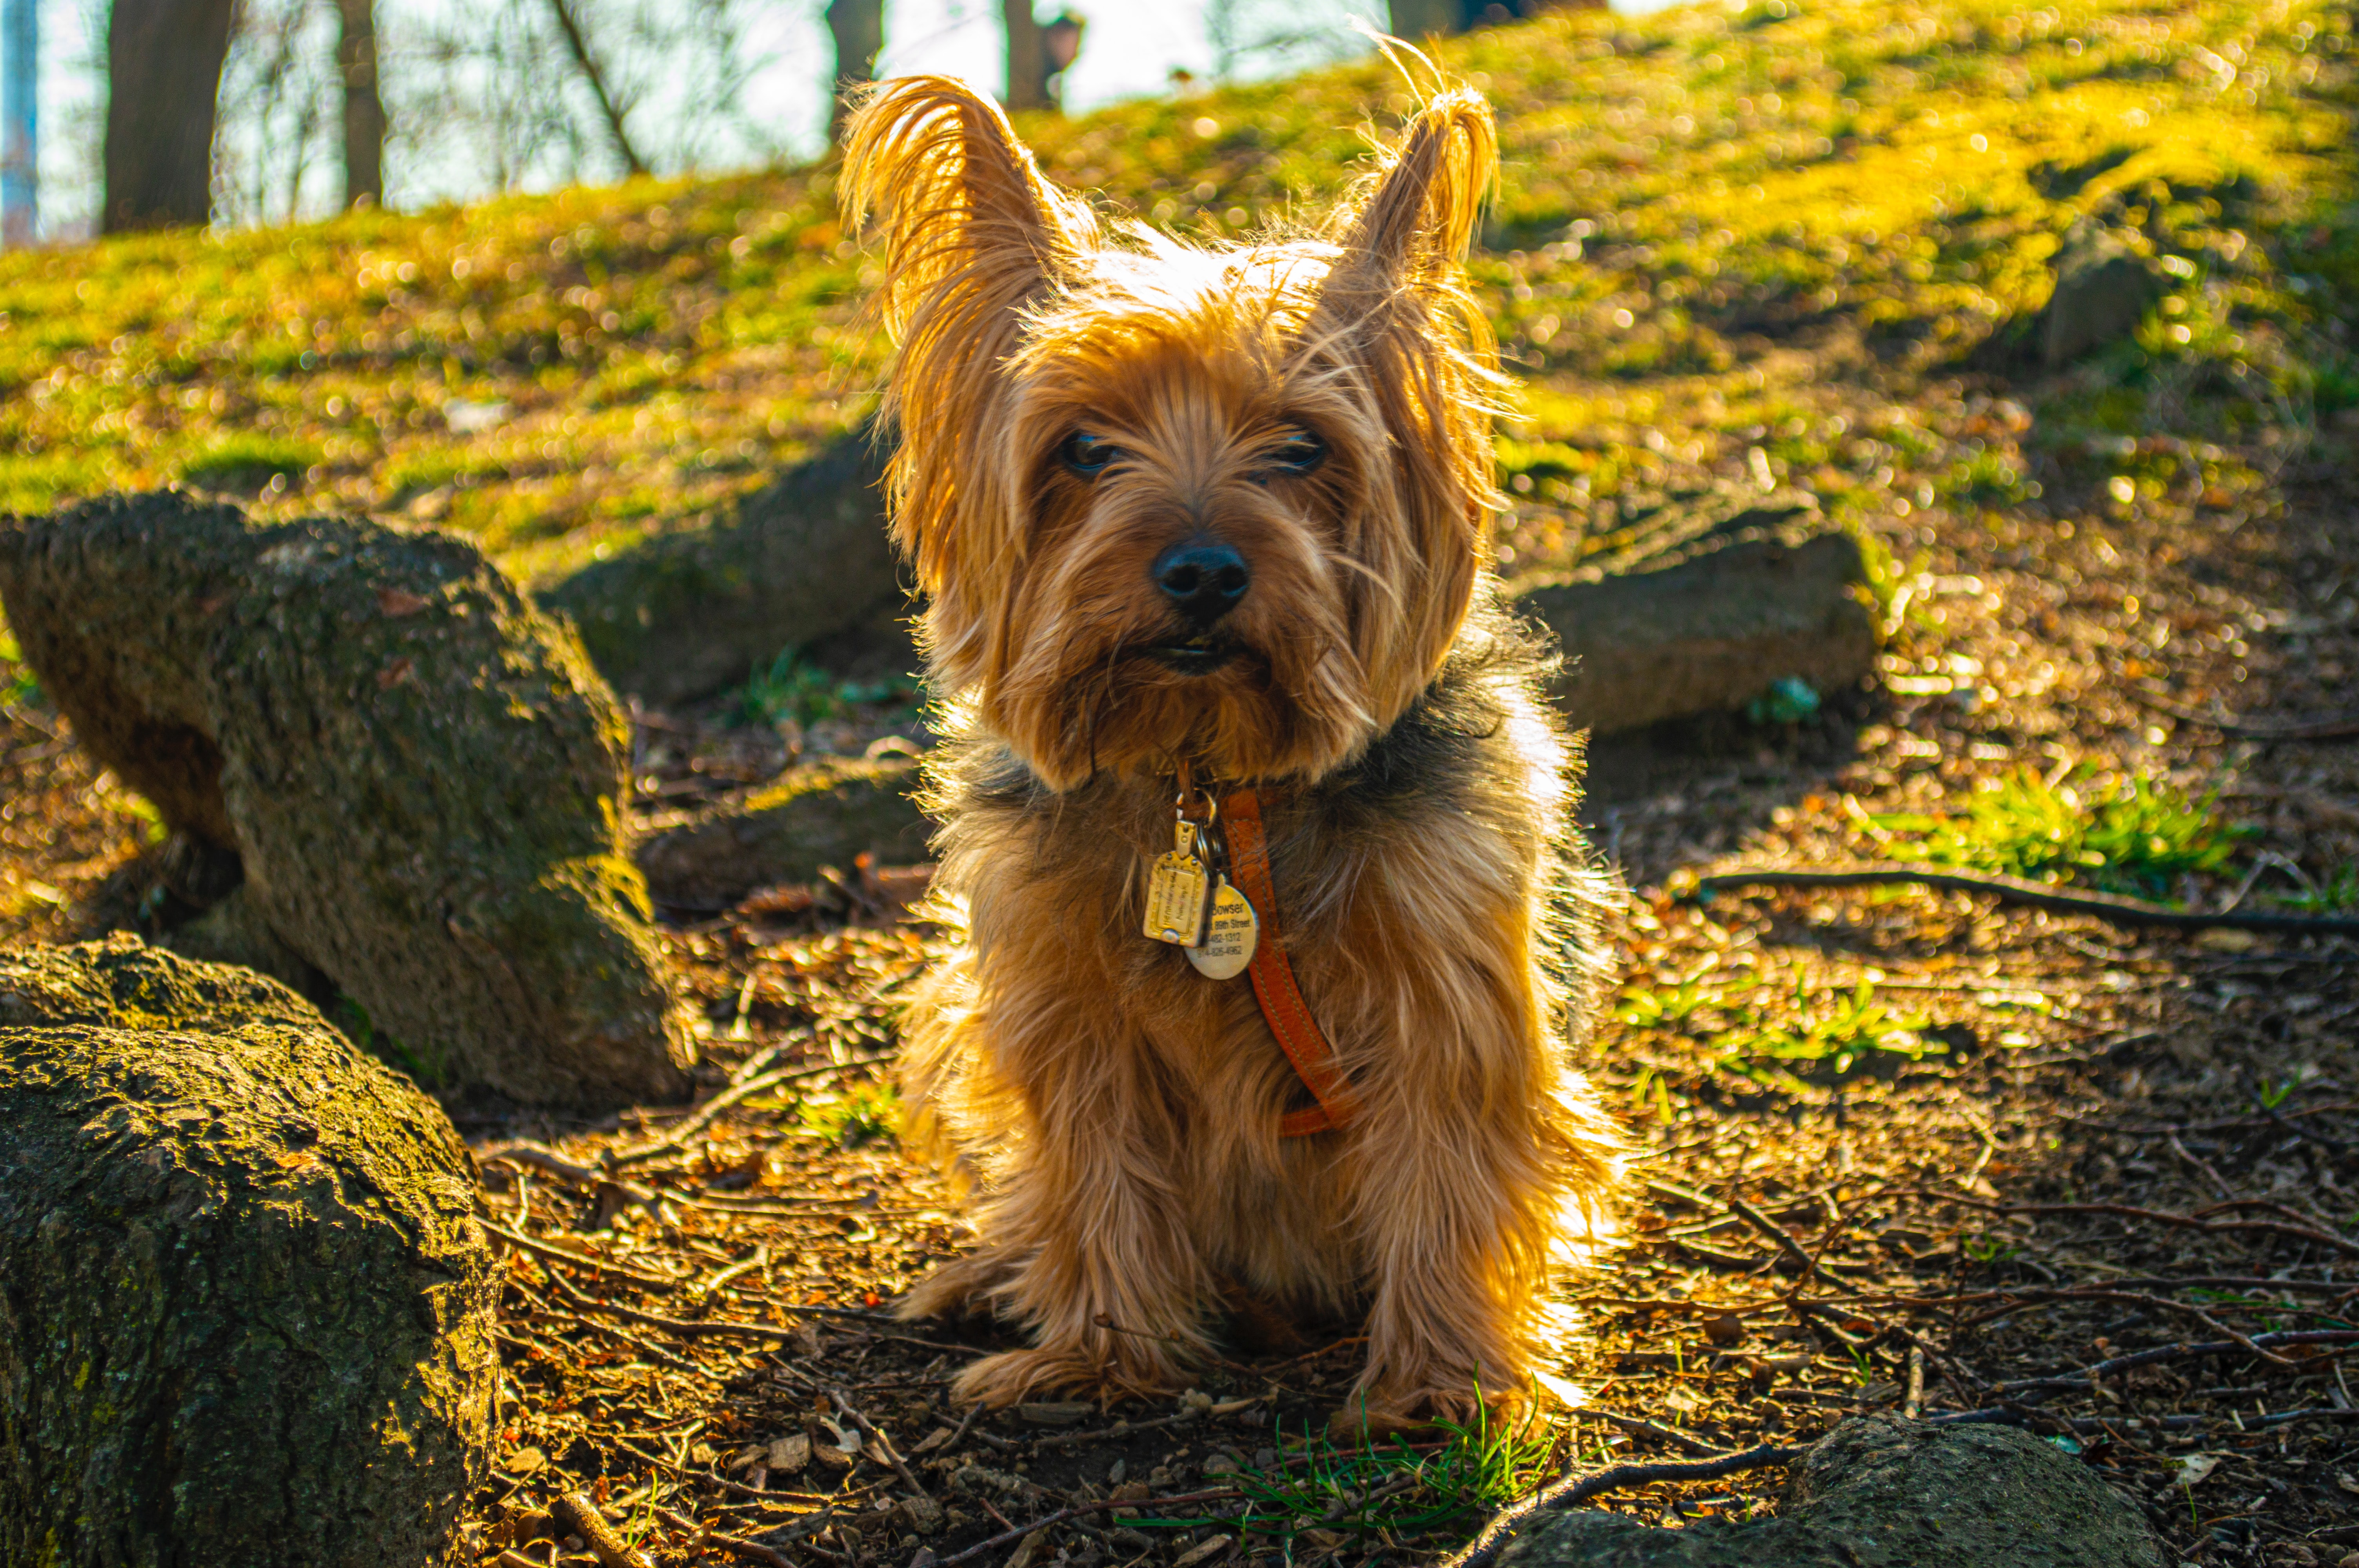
(1282, 1006)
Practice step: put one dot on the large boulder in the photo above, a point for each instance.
(1881, 1492)
(245, 1311)
(803, 563)
(2103, 290)
(1704, 611)
(411, 777)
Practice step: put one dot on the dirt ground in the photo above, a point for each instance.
(2097, 1147)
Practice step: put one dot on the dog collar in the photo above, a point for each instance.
(1274, 985)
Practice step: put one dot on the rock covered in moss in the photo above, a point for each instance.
(1882, 1492)
(803, 563)
(245, 1311)
(419, 772)
(823, 814)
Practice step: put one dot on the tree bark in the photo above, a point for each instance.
(364, 108)
(608, 108)
(163, 69)
(858, 28)
(1027, 60)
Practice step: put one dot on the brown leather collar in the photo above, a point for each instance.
(1273, 979)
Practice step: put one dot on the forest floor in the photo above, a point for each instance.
(1896, 1149)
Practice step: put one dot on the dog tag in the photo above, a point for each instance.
(1229, 943)
(1177, 888)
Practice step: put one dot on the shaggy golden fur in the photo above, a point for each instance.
(1322, 406)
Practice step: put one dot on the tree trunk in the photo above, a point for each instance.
(1027, 60)
(1415, 19)
(608, 108)
(364, 109)
(163, 69)
(858, 28)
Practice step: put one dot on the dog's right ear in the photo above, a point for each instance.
(970, 233)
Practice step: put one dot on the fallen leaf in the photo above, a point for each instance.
(790, 1454)
(2194, 1467)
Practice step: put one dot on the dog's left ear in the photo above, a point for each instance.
(1397, 302)
(970, 233)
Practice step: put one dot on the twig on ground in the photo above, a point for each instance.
(2131, 912)
(2187, 1157)
(543, 1251)
(2325, 727)
(1672, 1434)
(1812, 1267)
(1913, 1403)
(1017, 1533)
(2161, 1216)
(876, 1439)
(524, 1152)
(710, 1111)
(1570, 1491)
(581, 1517)
(736, 1546)
(2089, 1376)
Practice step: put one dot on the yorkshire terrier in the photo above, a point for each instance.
(1273, 929)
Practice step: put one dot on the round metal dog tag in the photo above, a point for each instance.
(1235, 931)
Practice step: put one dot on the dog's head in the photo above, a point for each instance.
(1228, 504)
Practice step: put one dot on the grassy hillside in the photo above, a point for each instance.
(1718, 231)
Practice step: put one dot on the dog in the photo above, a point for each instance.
(1204, 535)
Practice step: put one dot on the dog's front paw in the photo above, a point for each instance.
(960, 1288)
(1001, 1379)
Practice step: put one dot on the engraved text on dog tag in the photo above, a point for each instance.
(1177, 888)
(1235, 931)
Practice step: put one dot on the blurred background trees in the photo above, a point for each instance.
(245, 112)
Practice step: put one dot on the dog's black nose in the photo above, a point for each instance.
(1203, 578)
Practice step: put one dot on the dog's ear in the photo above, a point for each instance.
(970, 233)
(1396, 301)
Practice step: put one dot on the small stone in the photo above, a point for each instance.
(1724, 1330)
(1220, 1465)
(790, 1454)
(1205, 1552)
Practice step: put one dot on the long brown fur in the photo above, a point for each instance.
(1115, 1113)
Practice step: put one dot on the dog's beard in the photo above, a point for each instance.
(1277, 694)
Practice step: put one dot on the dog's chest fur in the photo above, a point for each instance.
(1455, 816)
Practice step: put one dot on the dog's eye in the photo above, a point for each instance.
(1088, 455)
(1298, 452)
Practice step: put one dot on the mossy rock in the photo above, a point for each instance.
(1882, 1492)
(419, 772)
(803, 563)
(824, 813)
(246, 1310)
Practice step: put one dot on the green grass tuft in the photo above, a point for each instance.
(2136, 835)
(855, 1116)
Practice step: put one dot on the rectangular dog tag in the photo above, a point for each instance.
(1177, 888)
